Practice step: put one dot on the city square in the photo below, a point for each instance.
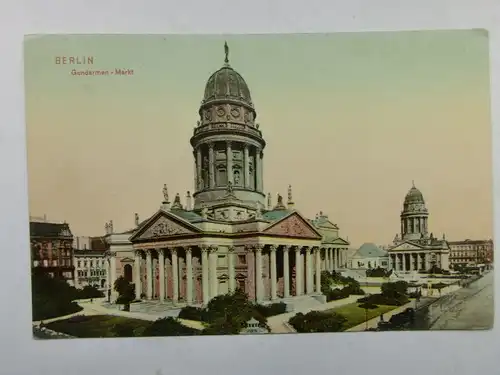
(230, 242)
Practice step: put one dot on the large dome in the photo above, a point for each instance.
(227, 84)
(414, 196)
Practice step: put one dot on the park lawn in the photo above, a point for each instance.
(95, 326)
(356, 315)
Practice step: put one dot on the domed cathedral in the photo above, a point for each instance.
(414, 249)
(228, 233)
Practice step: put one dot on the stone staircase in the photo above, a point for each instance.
(301, 303)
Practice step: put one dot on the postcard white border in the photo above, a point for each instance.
(381, 353)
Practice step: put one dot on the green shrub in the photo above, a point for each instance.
(193, 313)
(378, 272)
(168, 327)
(316, 321)
(272, 309)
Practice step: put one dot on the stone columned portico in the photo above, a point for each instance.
(228, 233)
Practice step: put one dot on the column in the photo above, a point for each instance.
(323, 260)
(246, 166)
(258, 273)
(309, 282)
(286, 272)
(198, 169)
(229, 162)
(328, 260)
(137, 274)
(273, 273)
(318, 269)
(108, 274)
(298, 272)
(149, 275)
(258, 169)
(161, 273)
(204, 274)
(232, 278)
(175, 276)
(189, 276)
(332, 258)
(211, 164)
(213, 272)
(403, 258)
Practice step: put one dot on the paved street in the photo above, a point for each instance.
(470, 308)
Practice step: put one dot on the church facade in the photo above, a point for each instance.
(228, 233)
(414, 249)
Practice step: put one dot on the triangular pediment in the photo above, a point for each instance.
(127, 260)
(327, 224)
(338, 241)
(406, 246)
(293, 225)
(162, 225)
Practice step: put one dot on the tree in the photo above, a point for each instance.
(126, 292)
(168, 327)
(51, 296)
(395, 289)
(229, 313)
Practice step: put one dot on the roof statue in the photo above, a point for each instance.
(165, 193)
(136, 218)
(258, 213)
(110, 226)
(226, 51)
(413, 183)
(279, 204)
(269, 201)
(204, 212)
(229, 189)
(177, 202)
(106, 228)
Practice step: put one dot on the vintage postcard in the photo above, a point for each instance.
(255, 184)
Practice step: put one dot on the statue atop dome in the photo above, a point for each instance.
(226, 51)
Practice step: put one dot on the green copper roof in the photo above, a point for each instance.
(187, 215)
(370, 250)
(275, 215)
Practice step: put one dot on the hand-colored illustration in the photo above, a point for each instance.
(252, 184)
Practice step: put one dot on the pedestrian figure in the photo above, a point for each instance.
(381, 317)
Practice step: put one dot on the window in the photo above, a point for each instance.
(242, 259)
(79, 264)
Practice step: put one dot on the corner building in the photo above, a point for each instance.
(415, 249)
(228, 234)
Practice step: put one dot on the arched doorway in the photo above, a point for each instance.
(127, 272)
(103, 283)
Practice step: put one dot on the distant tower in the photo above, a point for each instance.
(414, 216)
(227, 145)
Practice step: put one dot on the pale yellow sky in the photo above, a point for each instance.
(350, 120)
